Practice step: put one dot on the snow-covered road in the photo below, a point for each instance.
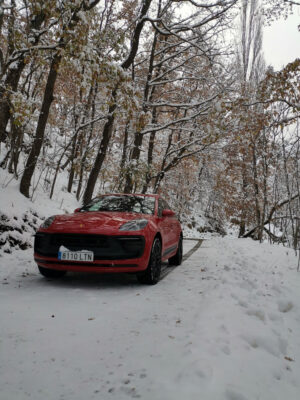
(224, 325)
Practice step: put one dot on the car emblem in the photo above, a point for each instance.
(81, 225)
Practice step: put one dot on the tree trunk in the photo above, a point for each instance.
(11, 82)
(73, 157)
(92, 99)
(242, 228)
(107, 132)
(161, 174)
(135, 155)
(40, 130)
(138, 136)
(148, 176)
(16, 141)
(150, 152)
(124, 155)
(13, 76)
(256, 192)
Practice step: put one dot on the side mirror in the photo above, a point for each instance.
(168, 213)
(77, 210)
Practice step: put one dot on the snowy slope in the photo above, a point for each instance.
(224, 325)
(20, 217)
(13, 203)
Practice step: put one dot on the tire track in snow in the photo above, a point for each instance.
(193, 249)
(167, 269)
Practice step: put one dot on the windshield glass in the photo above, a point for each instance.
(135, 204)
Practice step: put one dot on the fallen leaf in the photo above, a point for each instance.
(288, 358)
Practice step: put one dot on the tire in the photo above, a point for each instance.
(177, 259)
(51, 273)
(152, 273)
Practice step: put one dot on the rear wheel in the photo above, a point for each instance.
(152, 273)
(177, 259)
(51, 273)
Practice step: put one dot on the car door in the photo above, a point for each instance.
(167, 229)
(164, 226)
(172, 226)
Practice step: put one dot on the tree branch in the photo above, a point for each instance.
(273, 209)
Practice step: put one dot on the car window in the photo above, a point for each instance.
(135, 204)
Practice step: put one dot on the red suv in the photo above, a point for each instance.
(114, 233)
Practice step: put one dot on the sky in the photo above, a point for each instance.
(281, 41)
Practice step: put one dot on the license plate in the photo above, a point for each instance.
(87, 256)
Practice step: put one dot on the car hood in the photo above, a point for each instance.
(93, 222)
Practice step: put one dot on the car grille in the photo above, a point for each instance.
(103, 247)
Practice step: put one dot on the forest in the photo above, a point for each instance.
(154, 96)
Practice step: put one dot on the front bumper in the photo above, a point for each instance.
(112, 254)
(103, 266)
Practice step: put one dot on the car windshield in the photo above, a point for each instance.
(134, 204)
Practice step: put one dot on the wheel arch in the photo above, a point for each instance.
(158, 235)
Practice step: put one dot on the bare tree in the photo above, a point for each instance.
(108, 127)
(48, 95)
(250, 71)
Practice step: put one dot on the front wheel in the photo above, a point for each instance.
(51, 273)
(152, 273)
(177, 259)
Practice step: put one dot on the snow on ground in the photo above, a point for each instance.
(20, 217)
(12, 203)
(222, 326)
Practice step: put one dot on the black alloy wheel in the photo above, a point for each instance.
(51, 273)
(177, 259)
(152, 273)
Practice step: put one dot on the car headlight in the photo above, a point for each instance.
(134, 225)
(48, 222)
